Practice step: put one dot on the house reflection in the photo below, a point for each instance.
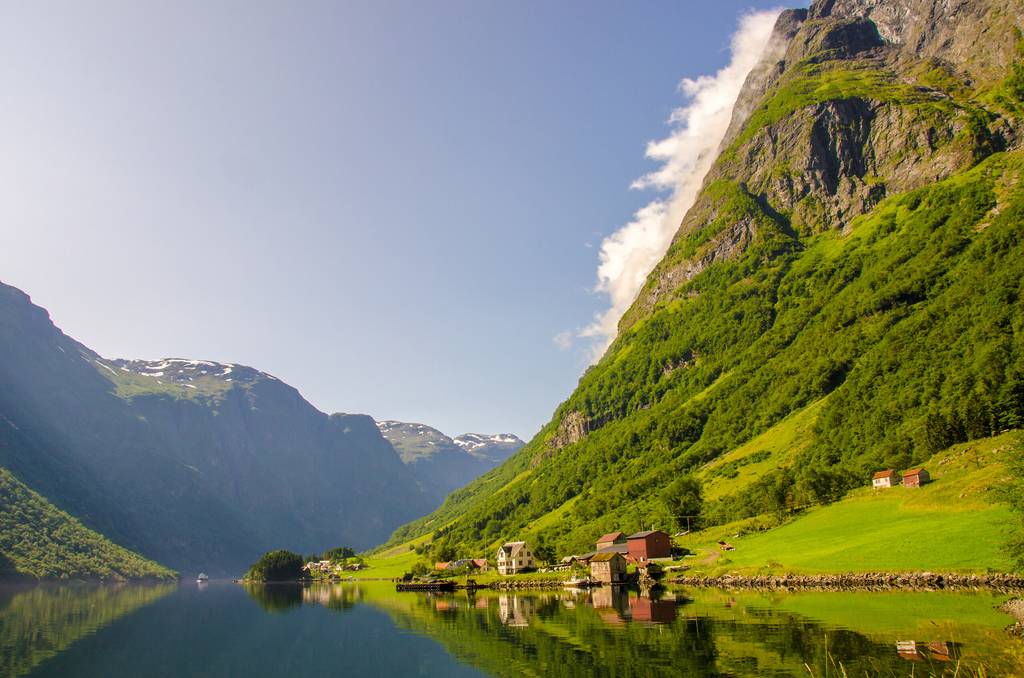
(515, 610)
(332, 596)
(611, 603)
(616, 606)
(648, 610)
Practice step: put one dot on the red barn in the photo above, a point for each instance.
(646, 545)
(915, 477)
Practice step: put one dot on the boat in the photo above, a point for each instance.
(580, 583)
(202, 578)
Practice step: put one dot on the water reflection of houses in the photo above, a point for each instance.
(333, 596)
(515, 610)
(651, 611)
(611, 603)
(616, 606)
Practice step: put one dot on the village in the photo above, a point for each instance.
(617, 558)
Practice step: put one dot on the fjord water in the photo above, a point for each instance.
(365, 629)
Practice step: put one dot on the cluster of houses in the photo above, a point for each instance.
(607, 562)
(328, 567)
(615, 551)
(915, 477)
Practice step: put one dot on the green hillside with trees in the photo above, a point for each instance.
(845, 302)
(39, 540)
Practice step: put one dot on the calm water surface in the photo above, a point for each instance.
(223, 629)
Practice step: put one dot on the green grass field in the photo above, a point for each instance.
(950, 525)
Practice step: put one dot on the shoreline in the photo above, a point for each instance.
(858, 581)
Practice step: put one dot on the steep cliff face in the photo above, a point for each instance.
(853, 101)
(843, 295)
(193, 463)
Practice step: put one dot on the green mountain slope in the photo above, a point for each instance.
(844, 295)
(41, 541)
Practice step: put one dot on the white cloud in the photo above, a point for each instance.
(629, 254)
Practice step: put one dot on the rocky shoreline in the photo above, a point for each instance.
(1016, 608)
(512, 585)
(867, 580)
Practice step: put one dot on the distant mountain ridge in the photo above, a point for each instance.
(442, 464)
(192, 463)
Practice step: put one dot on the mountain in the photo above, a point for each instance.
(43, 542)
(194, 464)
(843, 296)
(442, 464)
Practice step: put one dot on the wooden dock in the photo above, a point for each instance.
(425, 586)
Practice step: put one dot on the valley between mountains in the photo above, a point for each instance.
(845, 296)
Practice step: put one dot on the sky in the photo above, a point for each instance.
(423, 211)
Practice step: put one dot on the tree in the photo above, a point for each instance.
(276, 566)
(544, 551)
(339, 553)
(444, 551)
(684, 499)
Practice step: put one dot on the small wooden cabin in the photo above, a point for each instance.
(916, 477)
(608, 568)
(886, 478)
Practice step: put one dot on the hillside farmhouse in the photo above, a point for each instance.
(886, 478)
(916, 477)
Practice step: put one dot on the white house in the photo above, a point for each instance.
(886, 478)
(514, 557)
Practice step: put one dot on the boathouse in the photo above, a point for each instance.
(644, 546)
(886, 478)
(608, 568)
(916, 477)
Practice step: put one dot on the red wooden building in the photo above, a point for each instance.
(915, 477)
(646, 545)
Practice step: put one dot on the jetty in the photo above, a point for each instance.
(443, 585)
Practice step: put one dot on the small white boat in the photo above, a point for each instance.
(202, 578)
(577, 583)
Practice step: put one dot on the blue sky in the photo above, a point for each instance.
(393, 206)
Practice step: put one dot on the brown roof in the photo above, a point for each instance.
(913, 472)
(611, 536)
(605, 557)
(885, 474)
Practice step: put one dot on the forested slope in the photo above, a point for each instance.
(844, 295)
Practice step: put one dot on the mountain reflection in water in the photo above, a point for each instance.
(622, 632)
(369, 629)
